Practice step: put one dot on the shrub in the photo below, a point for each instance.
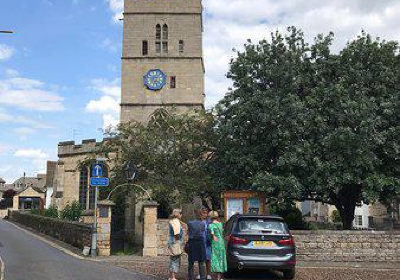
(52, 212)
(291, 215)
(72, 211)
(35, 211)
(335, 216)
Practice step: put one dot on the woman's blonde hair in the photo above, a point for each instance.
(213, 215)
(176, 213)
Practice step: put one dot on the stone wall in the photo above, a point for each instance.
(76, 234)
(3, 213)
(348, 246)
(328, 246)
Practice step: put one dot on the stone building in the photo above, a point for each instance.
(162, 67)
(374, 215)
(71, 179)
(21, 184)
(162, 57)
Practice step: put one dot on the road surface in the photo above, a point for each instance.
(28, 258)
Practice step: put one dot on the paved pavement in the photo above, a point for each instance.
(324, 274)
(306, 271)
(28, 258)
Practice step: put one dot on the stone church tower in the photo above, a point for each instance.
(162, 57)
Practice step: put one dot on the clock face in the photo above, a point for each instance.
(154, 79)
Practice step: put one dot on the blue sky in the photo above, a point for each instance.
(60, 70)
(63, 54)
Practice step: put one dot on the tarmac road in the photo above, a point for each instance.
(28, 258)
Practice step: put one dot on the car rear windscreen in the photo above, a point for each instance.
(260, 226)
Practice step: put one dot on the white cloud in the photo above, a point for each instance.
(6, 52)
(110, 121)
(111, 88)
(103, 105)
(116, 7)
(35, 157)
(11, 73)
(229, 23)
(29, 94)
(108, 103)
(24, 132)
(36, 124)
(30, 154)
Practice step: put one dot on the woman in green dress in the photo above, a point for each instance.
(218, 251)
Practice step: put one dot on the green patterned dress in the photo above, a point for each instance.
(218, 253)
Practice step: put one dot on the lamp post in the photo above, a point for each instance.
(130, 171)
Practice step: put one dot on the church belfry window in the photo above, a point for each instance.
(158, 32)
(158, 47)
(165, 47)
(165, 32)
(172, 82)
(145, 48)
(181, 46)
(162, 38)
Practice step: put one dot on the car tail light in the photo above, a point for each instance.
(287, 242)
(233, 240)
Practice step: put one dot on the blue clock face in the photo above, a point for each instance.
(154, 79)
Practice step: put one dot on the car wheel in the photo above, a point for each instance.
(289, 274)
(231, 273)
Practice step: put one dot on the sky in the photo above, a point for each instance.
(60, 70)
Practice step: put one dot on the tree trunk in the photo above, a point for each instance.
(346, 204)
(347, 215)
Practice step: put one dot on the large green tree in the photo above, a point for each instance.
(170, 152)
(302, 122)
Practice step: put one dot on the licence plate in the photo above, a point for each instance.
(263, 244)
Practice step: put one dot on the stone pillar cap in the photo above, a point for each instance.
(106, 202)
(150, 204)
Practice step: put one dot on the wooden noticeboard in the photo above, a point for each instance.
(244, 202)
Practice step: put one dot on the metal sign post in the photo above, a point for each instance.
(96, 181)
(93, 251)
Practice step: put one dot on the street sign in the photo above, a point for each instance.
(97, 170)
(101, 182)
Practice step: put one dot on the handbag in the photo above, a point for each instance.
(176, 248)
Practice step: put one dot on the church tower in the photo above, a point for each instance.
(162, 57)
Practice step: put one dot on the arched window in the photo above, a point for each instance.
(86, 193)
(158, 32)
(162, 38)
(165, 32)
(83, 187)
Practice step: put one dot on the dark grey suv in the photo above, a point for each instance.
(260, 242)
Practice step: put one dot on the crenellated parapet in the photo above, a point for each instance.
(70, 148)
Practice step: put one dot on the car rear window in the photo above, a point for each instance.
(261, 225)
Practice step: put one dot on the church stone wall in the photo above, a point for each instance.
(180, 27)
(184, 21)
(70, 158)
(163, 6)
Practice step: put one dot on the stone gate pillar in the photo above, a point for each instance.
(104, 227)
(150, 229)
